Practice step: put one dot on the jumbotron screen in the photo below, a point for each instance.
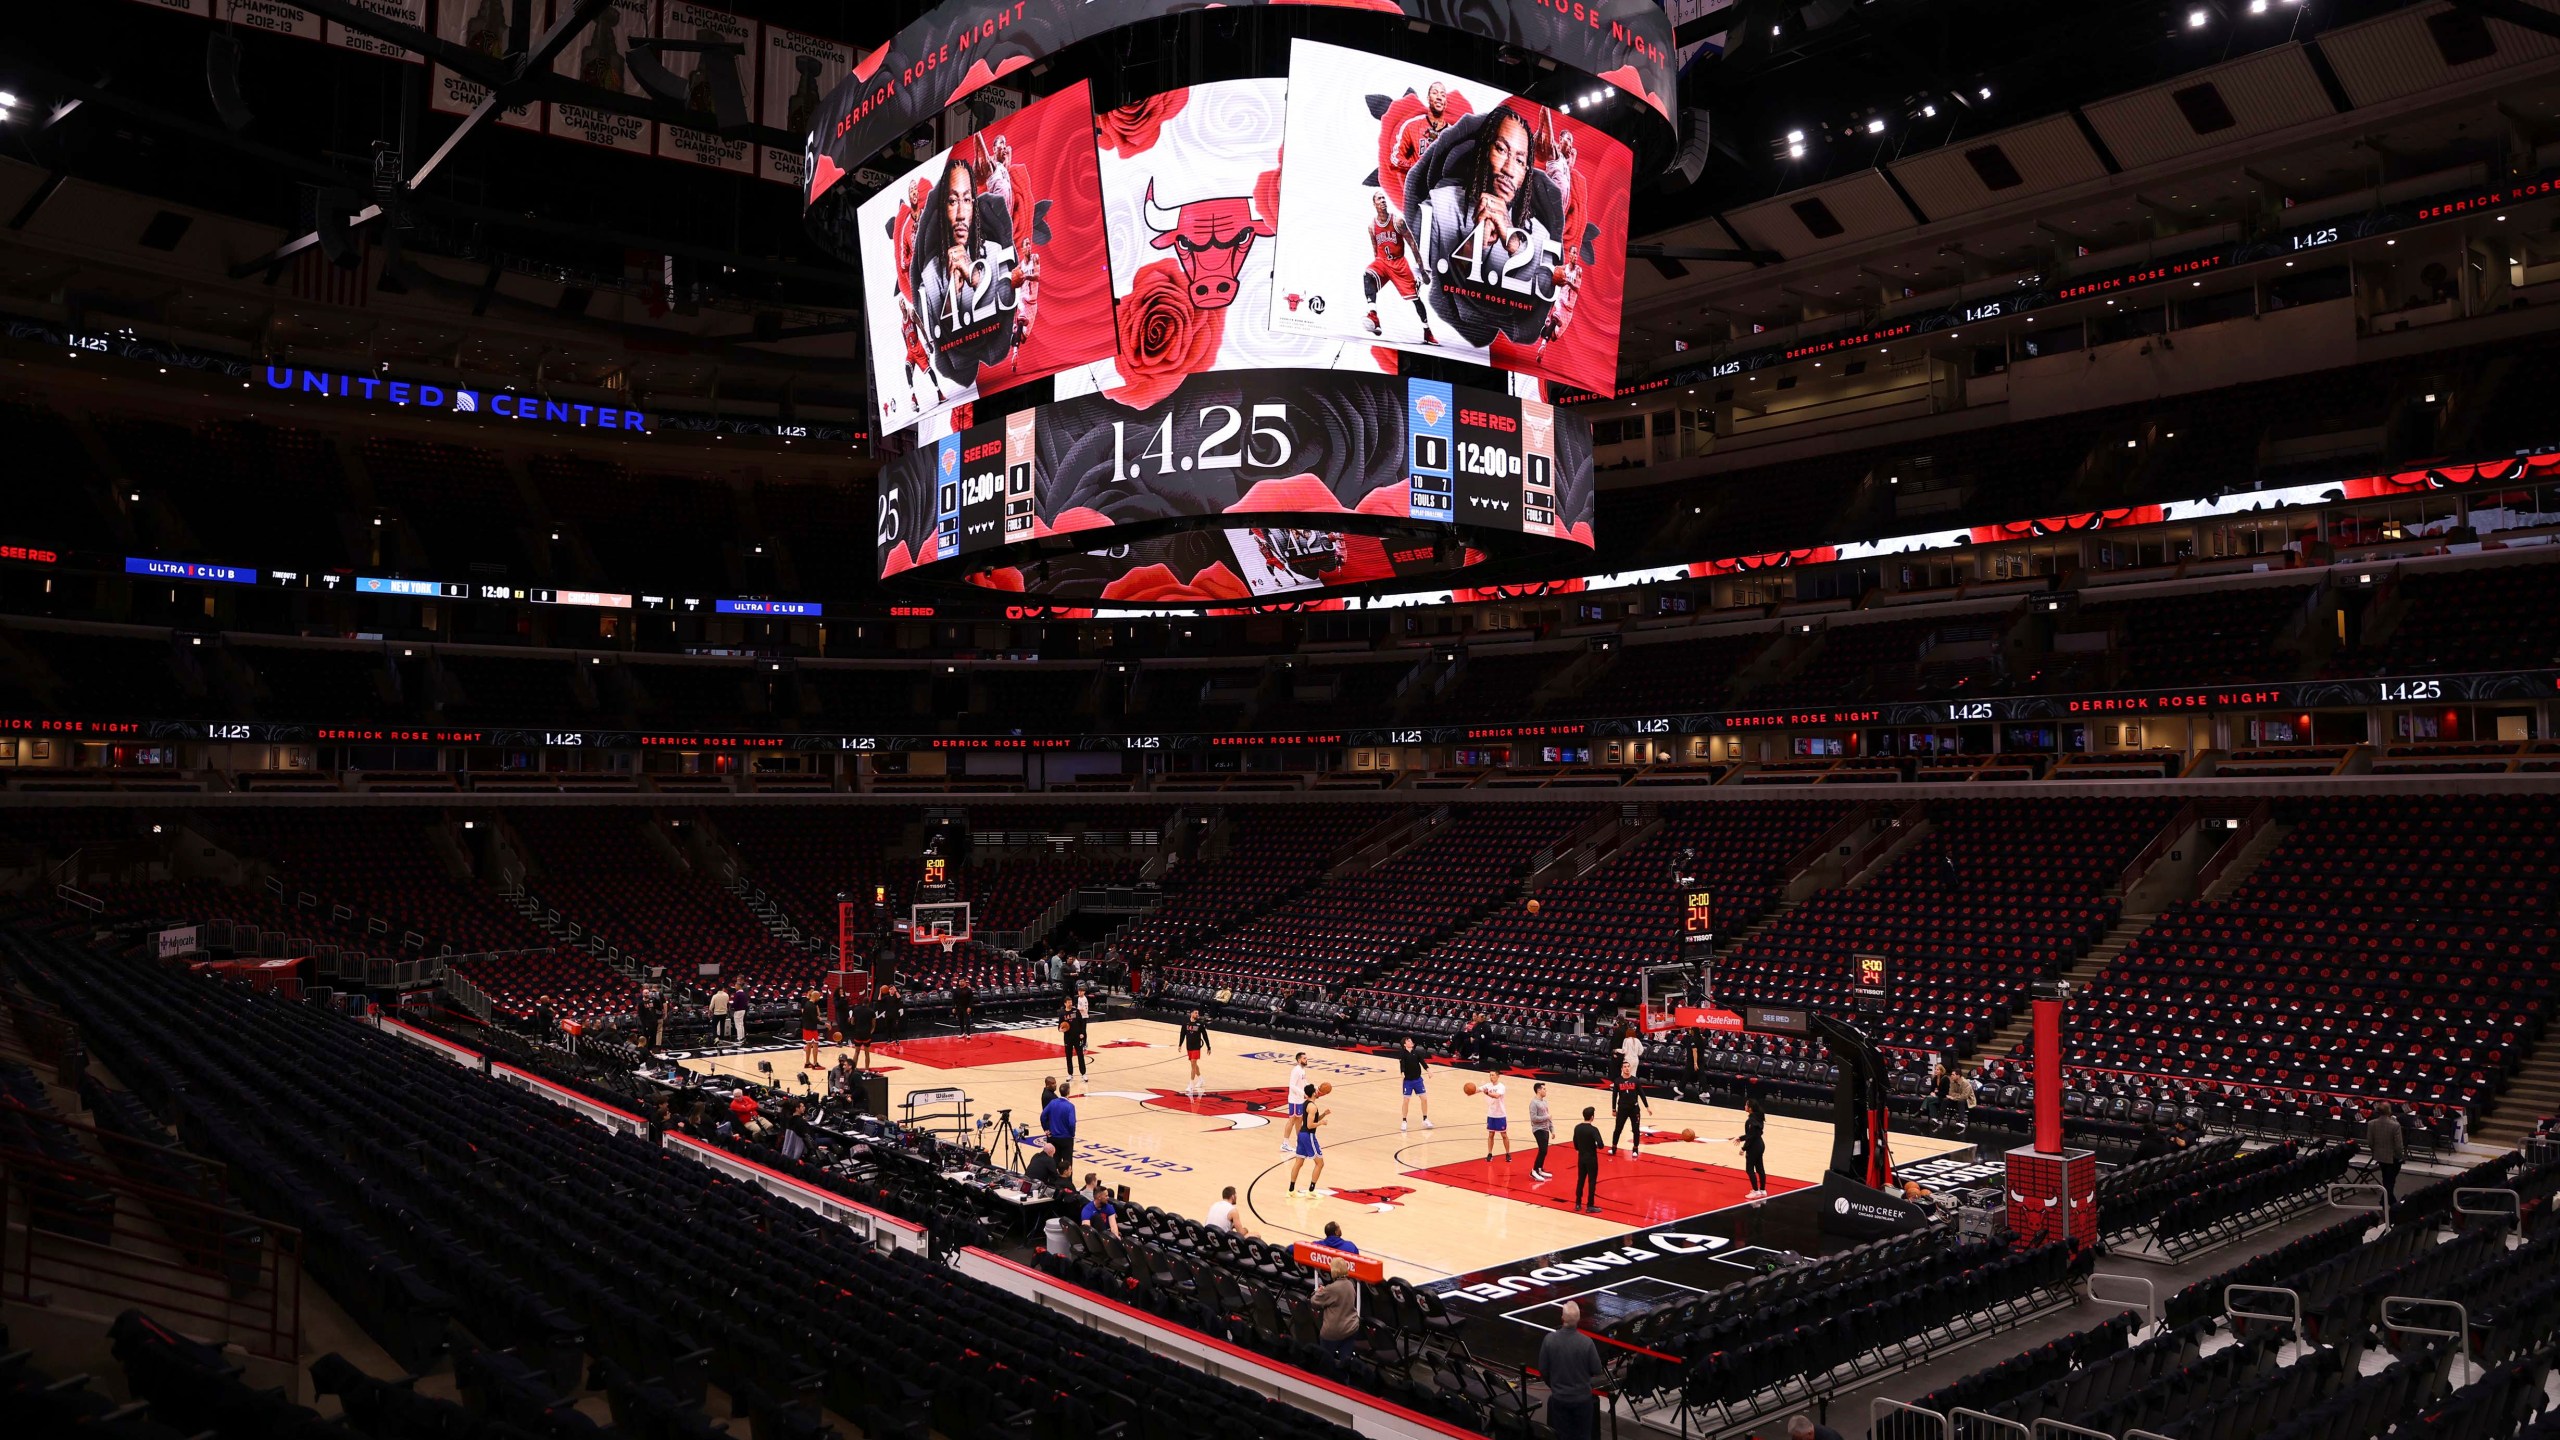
(985, 267)
(1434, 214)
(1405, 466)
(1191, 201)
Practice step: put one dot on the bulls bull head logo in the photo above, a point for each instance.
(1210, 239)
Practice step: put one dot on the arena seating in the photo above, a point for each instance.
(477, 515)
(2208, 637)
(538, 690)
(2200, 1374)
(1880, 658)
(2498, 618)
(88, 673)
(407, 1176)
(2389, 951)
(1344, 932)
(1584, 946)
(620, 518)
(1997, 894)
(1669, 677)
(1268, 854)
(379, 862)
(597, 867)
(72, 508)
(240, 491)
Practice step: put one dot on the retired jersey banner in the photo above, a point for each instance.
(965, 45)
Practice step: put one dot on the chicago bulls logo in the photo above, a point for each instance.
(1245, 1106)
(1380, 1199)
(1292, 297)
(1210, 239)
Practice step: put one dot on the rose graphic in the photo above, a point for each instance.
(1164, 338)
(1128, 129)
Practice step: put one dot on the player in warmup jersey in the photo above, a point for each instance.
(1309, 1118)
(1297, 1093)
(1390, 263)
(1195, 1043)
(1497, 1120)
(1412, 1061)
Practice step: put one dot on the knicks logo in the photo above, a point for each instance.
(1431, 408)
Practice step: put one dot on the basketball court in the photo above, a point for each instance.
(1424, 1202)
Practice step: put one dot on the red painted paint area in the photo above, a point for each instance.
(1634, 1189)
(959, 1052)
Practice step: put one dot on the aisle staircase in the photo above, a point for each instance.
(2534, 1093)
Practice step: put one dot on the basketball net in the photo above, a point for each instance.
(942, 936)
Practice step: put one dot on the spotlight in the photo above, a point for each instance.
(1928, 112)
(8, 100)
(1876, 126)
(1795, 137)
(1795, 152)
(2196, 19)
(1984, 92)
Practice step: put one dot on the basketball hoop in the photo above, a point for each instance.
(942, 935)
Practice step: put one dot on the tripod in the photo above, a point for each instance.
(1007, 1151)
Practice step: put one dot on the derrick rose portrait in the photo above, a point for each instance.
(1437, 215)
(985, 267)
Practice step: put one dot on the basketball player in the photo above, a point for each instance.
(1071, 1030)
(1422, 129)
(1497, 1121)
(1297, 1093)
(1309, 1118)
(1412, 1062)
(1629, 1106)
(1389, 242)
(812, 1031)
(866, 1020)
(1195, 1043)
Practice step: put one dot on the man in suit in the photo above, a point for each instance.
(2382, 1135)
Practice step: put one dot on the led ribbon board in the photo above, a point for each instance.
(961, 47)
(1241, 487)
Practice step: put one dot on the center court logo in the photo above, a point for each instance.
(1316, 1065)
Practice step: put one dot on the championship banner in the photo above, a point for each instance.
(276, 17)
(683, 20)
(406, 12)
(600, 56)
(985, 267)
(1438, 215)
(965, 45)
(796, 74)
(478, 25)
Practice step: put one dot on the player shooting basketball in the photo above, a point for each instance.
(1389, 244)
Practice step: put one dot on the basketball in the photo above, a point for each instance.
(1688, 1134)
(1471, 1087)
(1533, 905)
(1323, 1088)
